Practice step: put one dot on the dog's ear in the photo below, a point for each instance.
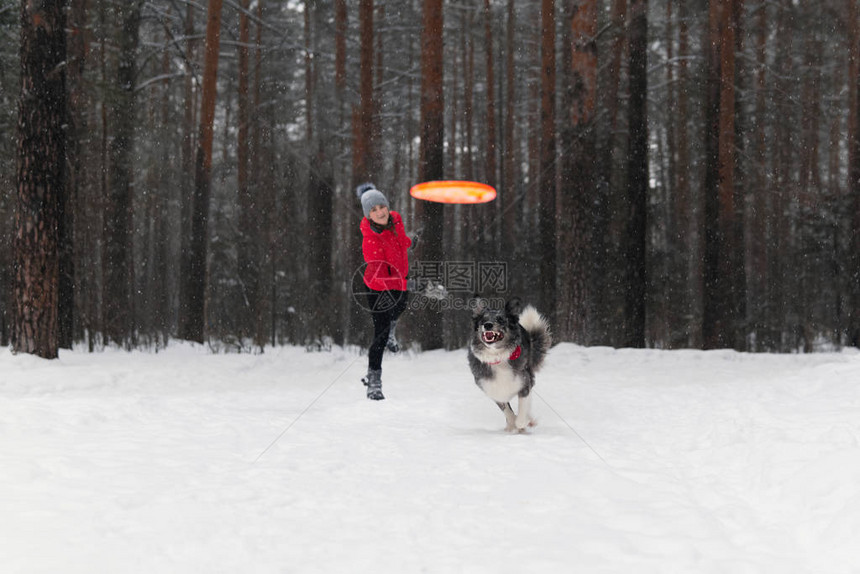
(514, 307)
(478, 305)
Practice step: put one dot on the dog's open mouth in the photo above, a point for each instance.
(492, 336)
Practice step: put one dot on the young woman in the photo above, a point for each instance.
(384, 245)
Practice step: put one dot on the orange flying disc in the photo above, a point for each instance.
(453, 192)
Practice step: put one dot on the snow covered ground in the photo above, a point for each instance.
(642, 461)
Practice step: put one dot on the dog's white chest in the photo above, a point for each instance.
(503, 385)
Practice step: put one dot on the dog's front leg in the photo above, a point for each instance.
(510, 418)
(524, 417)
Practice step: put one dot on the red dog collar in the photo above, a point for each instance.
(514, 356)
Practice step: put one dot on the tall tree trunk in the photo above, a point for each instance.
(340, 46)
(41, 177)
(468, 96)
(547, 223)
(636, 288)
(782, 186)
(854, 188)
(758, 249)
(687, 231)
(491, 148)
(812, 203)
(74, 249)
(320, 187)
(119, 217)
(432, 159)
(100, 202)
(364, 163)
(364, 153)
(458, 67)
(732, 179)
(723, 271)
(160, 274)
(578, 163)
(186, 177)
(712, 325)
(341, 25)
(605, 272)
(193, 308)
(470, 218)
(670, 305)
(508, 190)
(265, 193)
(249, 238)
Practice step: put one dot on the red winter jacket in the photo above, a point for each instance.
(385, 255)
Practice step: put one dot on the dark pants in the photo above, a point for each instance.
(385, 307)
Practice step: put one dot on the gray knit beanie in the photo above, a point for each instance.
(370, 197)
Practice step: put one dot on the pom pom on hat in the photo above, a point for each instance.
(370, 197)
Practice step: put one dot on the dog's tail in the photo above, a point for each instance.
(537, 326)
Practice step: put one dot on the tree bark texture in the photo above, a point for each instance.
(723, 271)
(320, 189)
(431, 163)
(509, 189)
(637, 179)
(73, 314)
(249, 239)
(491, 150)
(194, 276)
(40, 177)
(854, 187)
(118, 267)
(578, 164)
(548, 213)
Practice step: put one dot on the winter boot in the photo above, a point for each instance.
(373, 382)
(392, 345)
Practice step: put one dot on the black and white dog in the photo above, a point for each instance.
(507, 348)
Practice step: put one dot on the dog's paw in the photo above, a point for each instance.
(524, 423)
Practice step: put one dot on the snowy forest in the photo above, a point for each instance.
(670, 173)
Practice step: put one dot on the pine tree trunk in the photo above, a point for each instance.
(431, 162)
(812, 281)
(687, 231)
(186, 177)
(247, 260)
(712, 323)
(160, 275)
(491, 148)
(74, 249)
(605, 270)
(758, 248)
(854, 189)
(638, 179)
(320, 187)
(723, 269)
(468, 97)
(547, 223)
(578, 164)
(509, 189)
(118, 263)
(470, 218)
(40, 178)
(363, 164)
(266, 197)
(364, 147)
(193, 308)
